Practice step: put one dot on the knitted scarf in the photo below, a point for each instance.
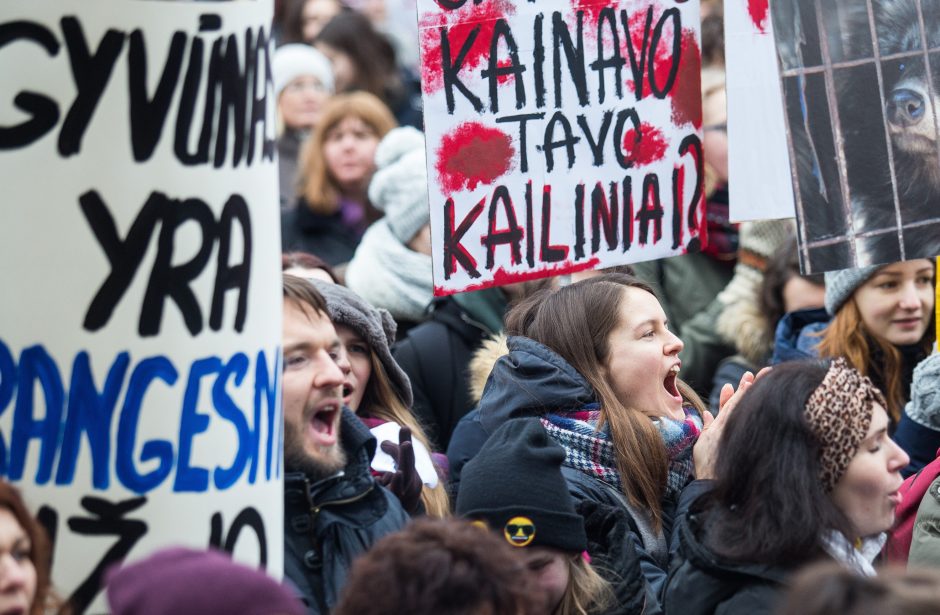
(591, 451)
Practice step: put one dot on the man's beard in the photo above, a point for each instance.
(325, 464)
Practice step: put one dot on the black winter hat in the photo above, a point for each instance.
(515, 486)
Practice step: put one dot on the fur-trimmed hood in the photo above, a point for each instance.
(482, 364)
(743, 324)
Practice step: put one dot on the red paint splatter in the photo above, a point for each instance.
(501, 277)
(687, 94)
(460, 23)
(503, 79)
(662, 62)
(758, 11)
(592, 12)
(473, 154)
(646, 147)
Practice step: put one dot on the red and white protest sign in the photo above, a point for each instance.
(560, 136)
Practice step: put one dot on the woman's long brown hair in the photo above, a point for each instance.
(382, 402)
(39, 551)
(846, 336)
(576, 322)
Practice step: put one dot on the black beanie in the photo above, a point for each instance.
(515, 486)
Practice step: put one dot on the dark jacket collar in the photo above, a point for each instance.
(447, 312)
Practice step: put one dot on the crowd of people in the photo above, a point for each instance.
(709, 433)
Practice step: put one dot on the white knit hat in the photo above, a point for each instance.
(400, 184)
(296, 60)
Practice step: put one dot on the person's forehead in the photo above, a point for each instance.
(346, 331)
(302, 321)
(906, 267)
(10, 527)
(351, 122)
(639, 306)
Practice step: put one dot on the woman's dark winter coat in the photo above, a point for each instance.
(702, 583)
(326, 236)
(532, 380)
(436, 356)
(798, 334)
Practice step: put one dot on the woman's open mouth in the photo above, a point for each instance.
(670, 383)
(896, 498)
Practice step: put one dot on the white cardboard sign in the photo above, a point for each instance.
(140, 323)
(760, 186)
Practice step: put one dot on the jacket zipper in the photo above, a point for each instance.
(314, 511)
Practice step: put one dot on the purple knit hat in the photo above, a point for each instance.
(179, 581)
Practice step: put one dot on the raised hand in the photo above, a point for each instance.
(404, 482)
(705, 450)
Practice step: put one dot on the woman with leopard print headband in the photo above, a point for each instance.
(806, 471)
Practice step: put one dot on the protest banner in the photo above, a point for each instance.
(140, 325)
(560, 136)
(759, 182)
(859, 82)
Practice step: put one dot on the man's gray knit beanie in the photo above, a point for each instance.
(375, 325)
(841, 284)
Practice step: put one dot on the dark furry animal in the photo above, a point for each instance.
(908, 106)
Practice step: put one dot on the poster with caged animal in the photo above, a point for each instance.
(860, 81)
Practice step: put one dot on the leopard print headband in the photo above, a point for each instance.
(839, 412)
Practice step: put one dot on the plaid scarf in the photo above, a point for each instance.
(590, 450)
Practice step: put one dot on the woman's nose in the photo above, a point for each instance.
(12, 573)
(910, 298)
(674, 345)
(342, 362)
(900, 459)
